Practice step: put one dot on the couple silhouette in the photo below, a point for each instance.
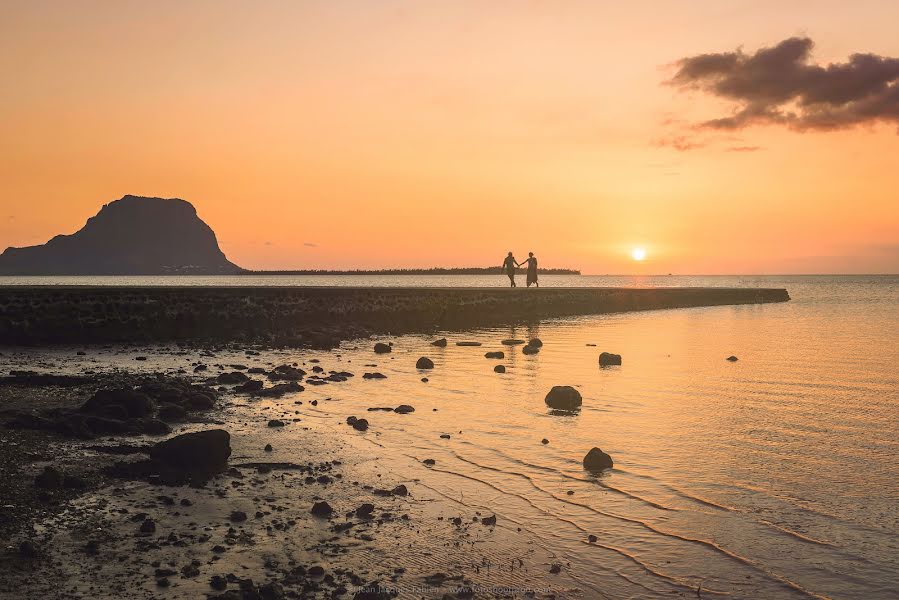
(510, 264)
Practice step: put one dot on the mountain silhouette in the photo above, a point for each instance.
(134, 235)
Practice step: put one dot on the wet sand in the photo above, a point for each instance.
(248, 532)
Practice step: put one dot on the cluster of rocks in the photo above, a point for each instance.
(146, 409)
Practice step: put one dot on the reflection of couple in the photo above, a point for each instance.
(509, 269)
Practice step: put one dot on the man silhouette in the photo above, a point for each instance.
(509, 268)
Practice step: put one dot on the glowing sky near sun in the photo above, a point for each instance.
(406, 133)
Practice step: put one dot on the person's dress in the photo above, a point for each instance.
(532, 271)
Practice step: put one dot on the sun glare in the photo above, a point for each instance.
(638, 253)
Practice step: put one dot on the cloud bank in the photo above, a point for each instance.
(780, 85)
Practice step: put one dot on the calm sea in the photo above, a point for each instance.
(776, 476)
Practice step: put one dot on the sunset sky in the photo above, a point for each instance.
(354, 134)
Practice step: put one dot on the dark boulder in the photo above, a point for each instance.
(322, 509)
(276, 423)
(536, 343)
(171, 412)
(441, 343)
(499, 369)
(119, 403)
(49, 479)
(208, 449)
(563, 397)
(404, 409)
(375, 375)
(150, 426)
(249, 387)
(607, 359)
(280, 389)
(512, 342)
(233, 377)
(382, 348)
(360, 424)
(286, 373)
(528, 349)
(498, 354)
(732, 358)
(597, 460)
(424, 363)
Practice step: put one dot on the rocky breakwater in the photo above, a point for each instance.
(317, 317)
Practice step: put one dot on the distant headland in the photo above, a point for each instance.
(138, 235)
(134, 235)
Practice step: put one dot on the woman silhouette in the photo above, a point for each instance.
(532, 269)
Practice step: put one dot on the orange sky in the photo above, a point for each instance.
(409, 133)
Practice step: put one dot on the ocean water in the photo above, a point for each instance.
(840, 283)
(776, 476)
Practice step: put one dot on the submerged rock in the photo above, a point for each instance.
(498, 354)
(563, 397)
(382, 348)
(512, 342)
(607, 359)
(199, 450)
(441, 343)
(597, 460)
(468, 344)
(424, 363)
(732, 358)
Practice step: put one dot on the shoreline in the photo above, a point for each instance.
(317, 317)
(247, 531)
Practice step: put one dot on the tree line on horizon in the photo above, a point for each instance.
(431, 271)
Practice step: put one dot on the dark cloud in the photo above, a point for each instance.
(310, 245)
(781, 85)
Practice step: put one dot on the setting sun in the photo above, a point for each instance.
(638, 253)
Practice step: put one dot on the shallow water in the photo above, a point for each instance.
(771, 477)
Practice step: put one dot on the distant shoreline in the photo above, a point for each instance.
(433, 271)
